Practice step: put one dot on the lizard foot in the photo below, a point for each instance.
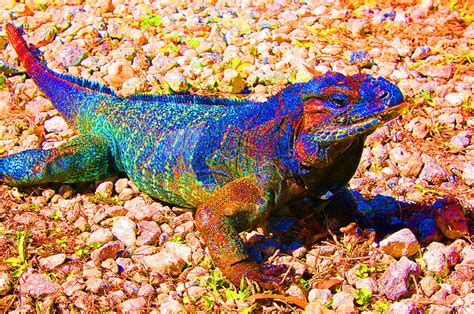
(267, 276)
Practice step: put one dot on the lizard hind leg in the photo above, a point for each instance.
(84, 158)
(236, 206)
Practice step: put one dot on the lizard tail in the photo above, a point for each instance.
(67, 93)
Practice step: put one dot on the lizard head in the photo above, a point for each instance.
(339, 110)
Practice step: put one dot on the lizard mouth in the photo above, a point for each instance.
(351, 129)
(377, 119)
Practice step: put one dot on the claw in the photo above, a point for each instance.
(267, 276)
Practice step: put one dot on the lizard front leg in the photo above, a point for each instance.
(84, 158)
(235, 207)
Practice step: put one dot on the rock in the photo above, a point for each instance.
(409, 164)
(461, 140)
(401, 243)
(171, 306)
(105, 189)
(432, 172)
(37, 107)
(163, 63)
(320, 296)
(4, 283)
(176, 81)
(71, 55)
(100, 236)
(429, 285)
(149, 232)
(133, 305)
(452, 120)
(421, 52)
(402, 307)
(393, 282)
(444, 72)
(51, 262)
(454, 99)
(124, 229)
(107, 212)
(72, 285)
(435, 259)
(126, 194)
(451, 221)
(465, 305)
(468, 174)
(38, 286)
(120, 185)
(109, 250)
(55, 124)
(118, 72)
(367, 283)
(165, 263)
(95, 285)
(232, 82)
(316, 308)
(296, 292)
(343, 302)
(179, 249)
(126, 265)
(146, 290)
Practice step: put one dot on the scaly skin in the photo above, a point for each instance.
(233, 161)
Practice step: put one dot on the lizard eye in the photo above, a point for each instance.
(339, 100)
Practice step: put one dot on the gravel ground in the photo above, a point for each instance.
(106, 247)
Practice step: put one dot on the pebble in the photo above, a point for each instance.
(149, 232)
(320, 296)
(120, 185)
(146, 290)
(421, 52)
(124, 229)
(171, 306)
(38, 286)
(408, 164)
(454, 99)
(468, 174)
(55, 124)
(400, 243)
(118, 72)
(393, 282)
(429, 285)
(71, 55)
(95, 285)
(232, 82)
(100, 236)
(435, 259)
(108, 250)
(367, 283)
(165, 263)
(5, 282)
(105, 189)
(432, 172)
(444, 72)
(461, 140)
(402, 307)
(176, 81)
(133, 305)
(52, 261)
(178, 249)
(343, 302)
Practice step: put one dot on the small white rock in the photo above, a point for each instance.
(124, 229)
(55, 124)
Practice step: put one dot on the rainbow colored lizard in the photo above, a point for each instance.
(234, 161)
